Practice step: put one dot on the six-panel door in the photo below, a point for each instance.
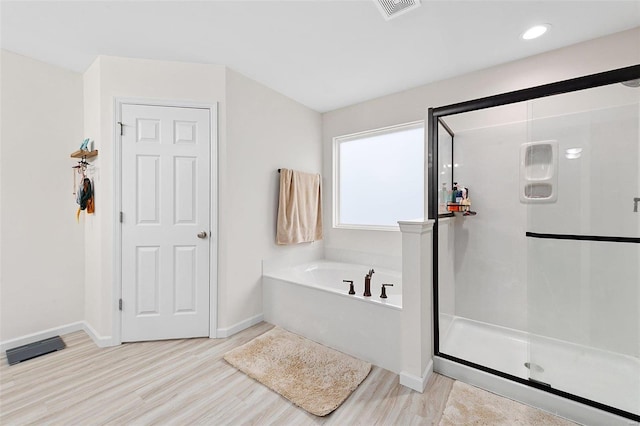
(165, 230)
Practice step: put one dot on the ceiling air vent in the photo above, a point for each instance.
(392, 8)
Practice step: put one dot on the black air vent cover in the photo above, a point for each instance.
(32, 350)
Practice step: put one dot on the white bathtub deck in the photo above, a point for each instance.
(328, 276)
(606, 377)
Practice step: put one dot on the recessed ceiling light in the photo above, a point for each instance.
(535, 31)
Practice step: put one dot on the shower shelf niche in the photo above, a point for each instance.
(539, 172)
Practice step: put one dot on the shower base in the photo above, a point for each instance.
(605, 377)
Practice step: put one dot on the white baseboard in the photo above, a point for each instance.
(41, 335)
(100, 341)
(104, 341)
(417, 383)
(222, 333)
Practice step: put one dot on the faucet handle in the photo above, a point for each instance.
(384, 290)
(351, 290)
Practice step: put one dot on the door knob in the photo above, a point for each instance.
(202, 235)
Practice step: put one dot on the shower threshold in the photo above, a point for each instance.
(595, 374)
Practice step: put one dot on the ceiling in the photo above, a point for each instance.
(324, 54)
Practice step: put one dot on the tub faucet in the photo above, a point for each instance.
(367, 283)
(351, 290)
(383, 295)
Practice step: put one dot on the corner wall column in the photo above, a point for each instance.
(417, 304)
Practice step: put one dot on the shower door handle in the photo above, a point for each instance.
(635, 204)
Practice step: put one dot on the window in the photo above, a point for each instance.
(379, 177)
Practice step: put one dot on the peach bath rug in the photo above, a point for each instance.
(468, 405)
(313, 377)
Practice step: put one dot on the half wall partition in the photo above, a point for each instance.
(541, 285)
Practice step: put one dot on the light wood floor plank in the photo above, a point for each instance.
(180, 382)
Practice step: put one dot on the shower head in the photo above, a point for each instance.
(632, 83)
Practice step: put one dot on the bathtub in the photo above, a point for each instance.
(311, 300)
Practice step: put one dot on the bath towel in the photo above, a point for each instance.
(299, 208)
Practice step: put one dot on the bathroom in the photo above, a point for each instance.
(245, 240)
(487, 266)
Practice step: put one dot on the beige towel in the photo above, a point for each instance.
(299, 208)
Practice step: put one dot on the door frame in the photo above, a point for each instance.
(117, 206)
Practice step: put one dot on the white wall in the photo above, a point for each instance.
(260, 131)
(506, 279)
(265, 131)
(573, 291)
(603, 54)
(42, 264)
(108, 78)
(92, 238)
(595, 282)
(490, 249)
(42, 115)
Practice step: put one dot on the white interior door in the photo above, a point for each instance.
(165, 222)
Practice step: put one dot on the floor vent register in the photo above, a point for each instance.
(35, 349)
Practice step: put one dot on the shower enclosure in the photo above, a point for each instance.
(539, 282)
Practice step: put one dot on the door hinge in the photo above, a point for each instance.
(120, 304)
(121, 128)
(121, 217)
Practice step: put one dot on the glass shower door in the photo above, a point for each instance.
(580, 182)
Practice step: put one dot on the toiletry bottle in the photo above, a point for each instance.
(443, 197)
(454, 192)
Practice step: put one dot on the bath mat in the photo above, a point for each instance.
(468, 405)
(313, 377)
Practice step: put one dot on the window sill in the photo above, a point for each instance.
(368, 227)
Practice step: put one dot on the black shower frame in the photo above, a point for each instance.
(447, 129)
(436, 115)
